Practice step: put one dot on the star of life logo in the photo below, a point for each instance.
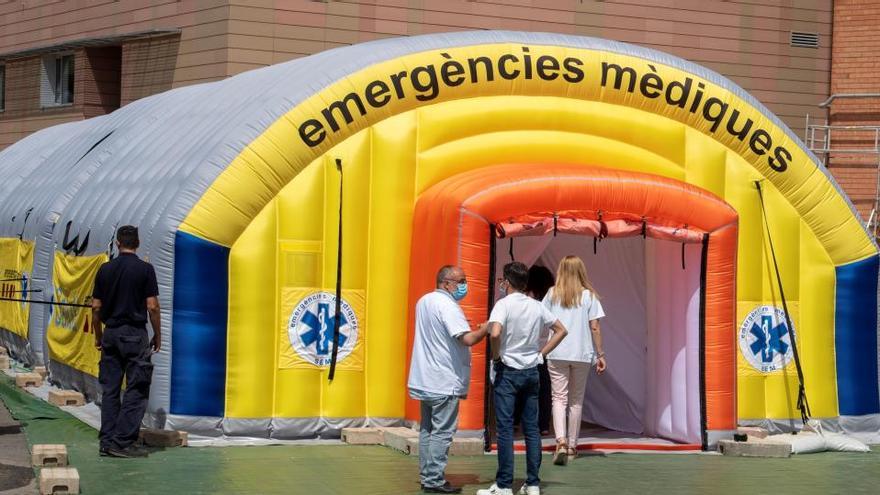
(765, 339)
(310, 329)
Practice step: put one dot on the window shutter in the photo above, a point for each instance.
(47, 81)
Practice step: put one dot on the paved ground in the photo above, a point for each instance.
(16, 474)
(373, 470)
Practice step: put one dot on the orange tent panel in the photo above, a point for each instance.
(453, 225)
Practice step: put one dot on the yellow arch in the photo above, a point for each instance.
(266, 165)
(387, 167)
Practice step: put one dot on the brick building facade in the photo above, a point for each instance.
(855, 80)
(779, 50)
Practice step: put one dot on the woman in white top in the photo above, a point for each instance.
(575, 303)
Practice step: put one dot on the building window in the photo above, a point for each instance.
(2, 88)
(56, 80)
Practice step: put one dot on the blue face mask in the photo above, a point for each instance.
(460, 291)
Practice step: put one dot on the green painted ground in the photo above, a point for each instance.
(318, 470)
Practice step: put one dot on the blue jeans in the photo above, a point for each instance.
(438, 425)
(514, 386)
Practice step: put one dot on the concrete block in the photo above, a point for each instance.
(49, 455)
(753, 431)
(28, 380)
(754, 448)
(412, 446)
(399, 439)
(153, 437)
(42, 371)
(66, 398)
(4, 362)
(467, 446)
(59, 480)
(460, 446)
(362, 436)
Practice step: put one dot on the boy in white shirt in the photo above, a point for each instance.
(515, 327)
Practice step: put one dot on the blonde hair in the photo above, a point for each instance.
(571, 280)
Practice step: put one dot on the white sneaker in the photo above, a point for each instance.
(529, 490)
(494, 490)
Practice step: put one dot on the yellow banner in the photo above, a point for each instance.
(307, 323)
(16, 264)
(70, 336)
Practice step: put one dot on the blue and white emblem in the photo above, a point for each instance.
(310, 329)
(765, 339)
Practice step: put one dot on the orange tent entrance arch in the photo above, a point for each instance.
(456, 220)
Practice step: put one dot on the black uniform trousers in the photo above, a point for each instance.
(126, 354)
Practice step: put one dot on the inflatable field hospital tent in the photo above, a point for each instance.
(694, 208)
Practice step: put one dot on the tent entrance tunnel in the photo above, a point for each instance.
(650, 397)
(673, 371)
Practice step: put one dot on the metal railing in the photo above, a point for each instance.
(818, 138)
(853, 96)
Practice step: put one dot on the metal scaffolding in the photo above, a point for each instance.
(825, 140)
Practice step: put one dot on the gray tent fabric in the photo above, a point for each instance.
(150, 162)
(17, 163)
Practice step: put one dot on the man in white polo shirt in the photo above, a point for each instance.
(440, 372)
(515, 326)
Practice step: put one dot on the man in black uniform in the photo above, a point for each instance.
(125, 293)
